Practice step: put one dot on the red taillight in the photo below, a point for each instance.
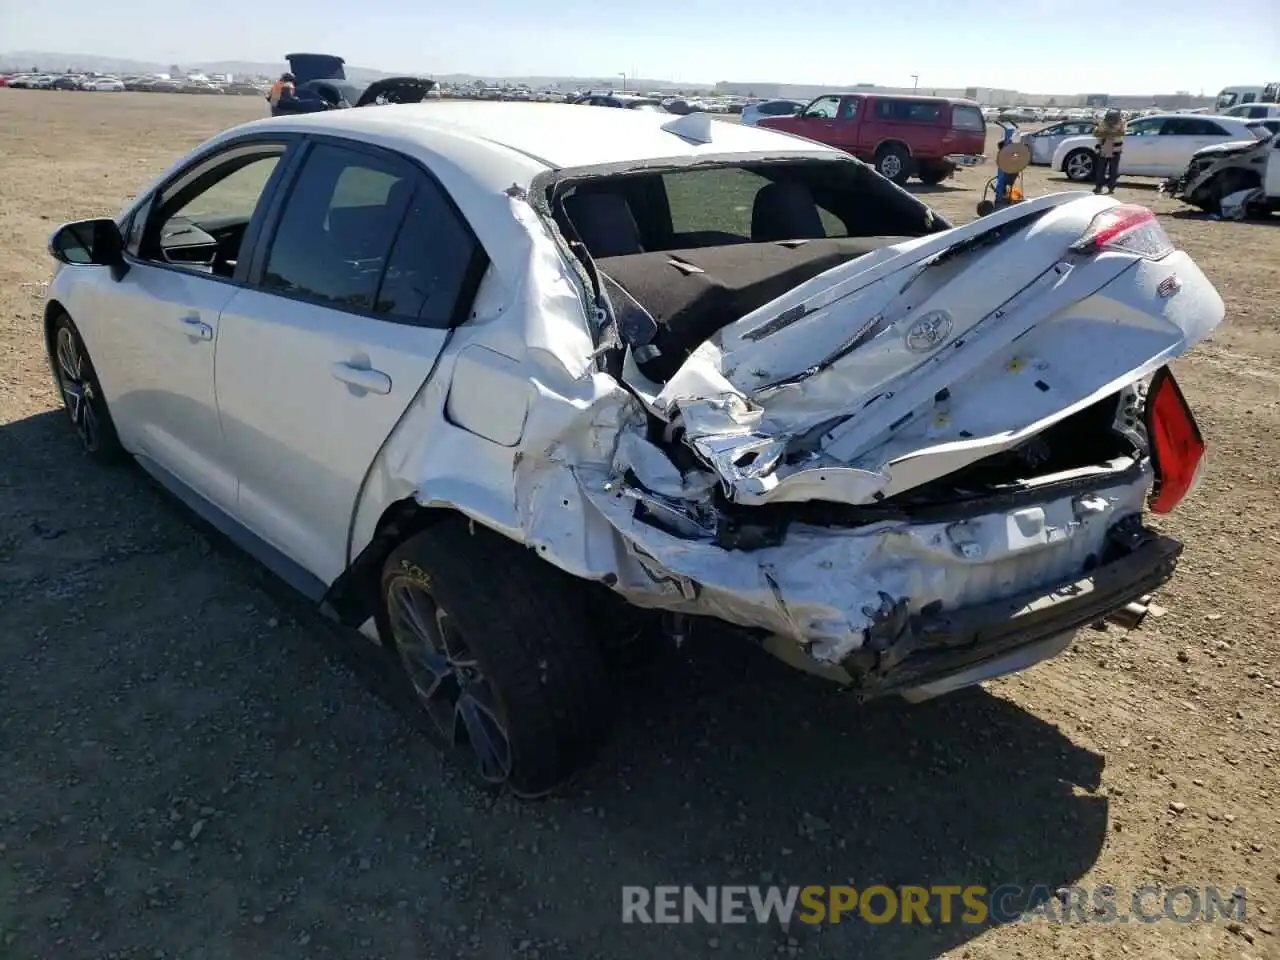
(1129, 228)
(1177, 448)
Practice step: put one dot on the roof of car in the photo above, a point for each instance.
(552, 135)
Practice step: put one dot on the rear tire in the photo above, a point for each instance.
(893, 162)
(1079, 164)
(932, 176)
(497, 646)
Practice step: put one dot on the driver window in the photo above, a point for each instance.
(824, 108)
(236, 195)
(1142, 128)
(201, 219)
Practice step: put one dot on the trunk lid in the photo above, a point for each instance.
(911, 362)
(306, 67)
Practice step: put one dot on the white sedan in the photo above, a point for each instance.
(486, 381)
(102, 84)
(1157, 146)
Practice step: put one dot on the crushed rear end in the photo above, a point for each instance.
(922, 467)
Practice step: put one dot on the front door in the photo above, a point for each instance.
(367, 269)
(183, 254)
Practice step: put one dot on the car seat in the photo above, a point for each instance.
(604, 222)
(785, 210)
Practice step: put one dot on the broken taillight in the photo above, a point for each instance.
(1177, 448)
(1128, 228)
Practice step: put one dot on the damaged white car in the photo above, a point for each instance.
(479, 377)
(1233, 180)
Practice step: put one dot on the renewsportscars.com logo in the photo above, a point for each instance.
(938, 904)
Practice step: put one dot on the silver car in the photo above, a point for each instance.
(753, 113)
(1044, 141)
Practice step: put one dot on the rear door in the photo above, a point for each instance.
(366, 268)
(1180, 137)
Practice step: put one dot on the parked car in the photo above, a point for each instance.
(753, 113)
(1254, 111)
(66, 82)
(627, 101)
(103, 84)
(1235, 179)
(1045, 140)
(1157, 146)
(321, 84)
(455, 375)
(927, 137)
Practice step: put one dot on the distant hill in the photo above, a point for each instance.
(56, 62)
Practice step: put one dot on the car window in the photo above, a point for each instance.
(824, 108)
(964, 117)
(1078, 129)
(1191, 127)
(780, 108)
(329, 245)
(1143, 128)
(199, 219)
(722, 201)
(236, 195)
(908, 111)
(431, 263)
(849, 108)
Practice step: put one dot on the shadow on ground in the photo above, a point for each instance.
(190, 766)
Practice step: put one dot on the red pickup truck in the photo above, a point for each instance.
(901, 135)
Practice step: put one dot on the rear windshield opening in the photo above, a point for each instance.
(763, 202)
(697, 248)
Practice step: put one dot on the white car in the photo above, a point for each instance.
(478, 378)
(1155, 146)
(1254, 111)
(1044, 141)
(103, 84)
(752, 113)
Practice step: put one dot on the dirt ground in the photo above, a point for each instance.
(188, 768)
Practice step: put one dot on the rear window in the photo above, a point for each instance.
(968, 118)
(779, 108)
(1264, 129)
(721, 202)
(909, 111)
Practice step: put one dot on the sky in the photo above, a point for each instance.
(1049, 46)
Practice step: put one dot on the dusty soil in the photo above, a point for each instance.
(189, 769)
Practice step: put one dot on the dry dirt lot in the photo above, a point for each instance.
(189, 769)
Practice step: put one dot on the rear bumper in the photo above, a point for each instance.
(944, 651)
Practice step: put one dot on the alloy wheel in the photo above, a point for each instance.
(448, 679)
(890, 166)
(77, 388)
(1080, 166)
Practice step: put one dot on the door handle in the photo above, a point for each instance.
(374, 381)
(193, 326)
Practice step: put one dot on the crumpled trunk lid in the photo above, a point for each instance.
(920, 358)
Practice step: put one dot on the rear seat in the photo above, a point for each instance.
(694, 293)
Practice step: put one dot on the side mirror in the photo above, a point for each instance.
(96, 242)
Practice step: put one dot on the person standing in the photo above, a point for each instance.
(281, 88)
(1110, 135)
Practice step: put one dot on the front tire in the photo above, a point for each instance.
(81, 392)
(1078, 164)
(893, 162)
(498, 648)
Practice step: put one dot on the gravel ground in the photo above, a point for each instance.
(192, 768)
